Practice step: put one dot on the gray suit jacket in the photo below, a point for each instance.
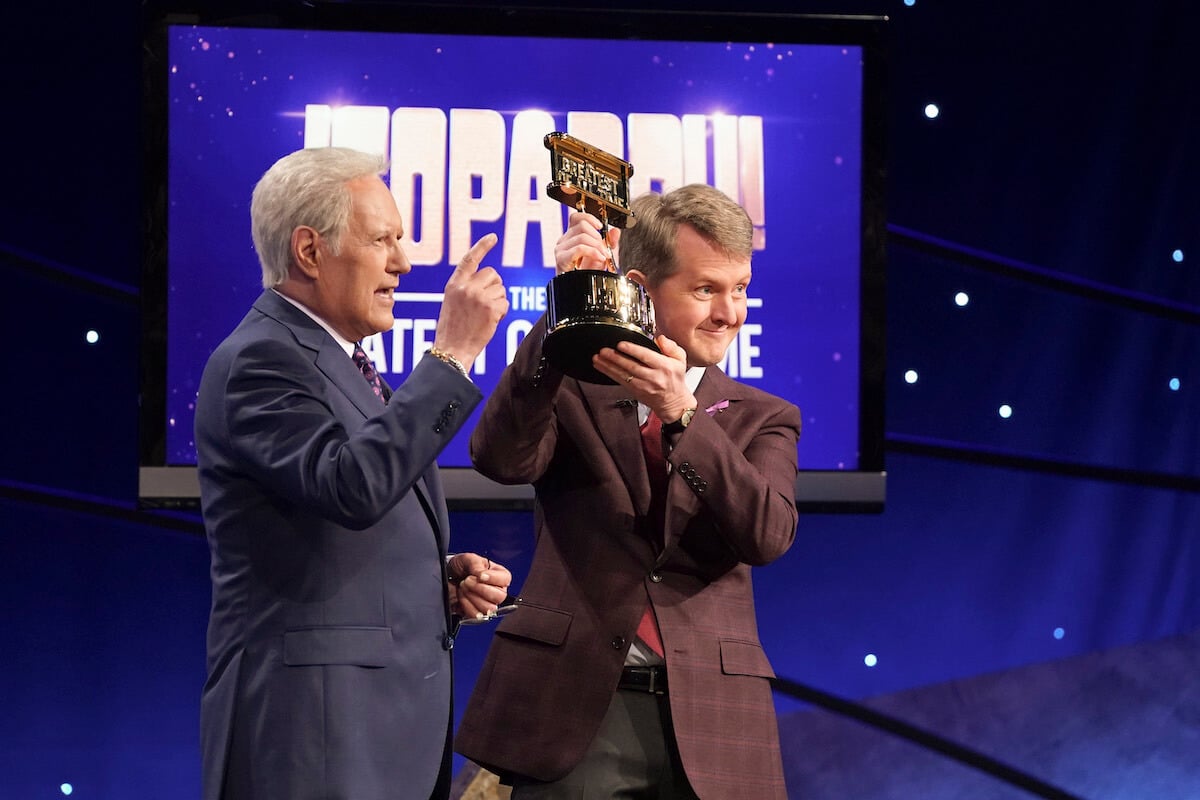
(553, 666)
(329, 636)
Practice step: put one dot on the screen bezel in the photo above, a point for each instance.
(862, 489)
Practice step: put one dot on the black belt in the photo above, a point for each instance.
(644, 679)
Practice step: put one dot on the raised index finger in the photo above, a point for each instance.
(471, 261)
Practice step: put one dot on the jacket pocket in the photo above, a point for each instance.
(541, 624)
(744, 658)
(351, 646)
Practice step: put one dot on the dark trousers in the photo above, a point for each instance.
(633, 756)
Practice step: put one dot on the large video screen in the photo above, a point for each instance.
(781, 124)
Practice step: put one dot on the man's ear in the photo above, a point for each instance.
(638, 277)
(304, 251)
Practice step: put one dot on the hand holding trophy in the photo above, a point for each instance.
(588, 309)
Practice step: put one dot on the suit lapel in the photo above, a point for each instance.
(328, 356)
(716, 387)
(614, 412)
(341, 371)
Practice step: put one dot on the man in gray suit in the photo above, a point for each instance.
(333, 591)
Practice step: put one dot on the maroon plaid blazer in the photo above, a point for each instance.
(553, 665)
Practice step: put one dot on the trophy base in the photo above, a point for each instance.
(570, 347)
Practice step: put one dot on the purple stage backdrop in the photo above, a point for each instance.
(776, 126)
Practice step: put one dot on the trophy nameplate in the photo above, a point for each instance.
(590, 309)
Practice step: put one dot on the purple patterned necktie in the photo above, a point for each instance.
(368, 370)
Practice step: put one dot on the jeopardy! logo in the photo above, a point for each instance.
(452, 169)
(449, 170)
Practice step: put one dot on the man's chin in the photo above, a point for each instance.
(705, 359)
(382, 325)
(710, 355)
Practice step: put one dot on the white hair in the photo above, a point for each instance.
(307, 187)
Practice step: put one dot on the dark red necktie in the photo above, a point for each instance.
(656, 466)
(368, 370)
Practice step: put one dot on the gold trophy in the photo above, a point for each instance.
(588, 309)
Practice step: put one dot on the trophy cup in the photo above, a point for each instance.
(587, 309)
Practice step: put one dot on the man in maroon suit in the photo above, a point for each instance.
(633, 666)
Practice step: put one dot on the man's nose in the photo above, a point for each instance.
(724, 309)
(398, 260)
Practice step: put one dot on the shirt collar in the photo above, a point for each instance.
(344, 343)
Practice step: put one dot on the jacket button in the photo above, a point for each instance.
(448, 642)
(618, 642)
(656, 577)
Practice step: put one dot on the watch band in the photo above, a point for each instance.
(684, 420)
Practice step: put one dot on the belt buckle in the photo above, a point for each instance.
(652, 679)
(649, 679)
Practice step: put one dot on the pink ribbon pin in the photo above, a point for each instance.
(715, 407)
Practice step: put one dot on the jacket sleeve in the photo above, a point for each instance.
(515, 438)
(745, 488)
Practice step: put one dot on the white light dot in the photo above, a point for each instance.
(1059, 633)
(1173, 384)
(66, 788)
(910, 376)
(1177, 256)
(961, 299)
(870, 660)
(1005, 411)
(92, 337)
(910, 3)
(931, 110)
